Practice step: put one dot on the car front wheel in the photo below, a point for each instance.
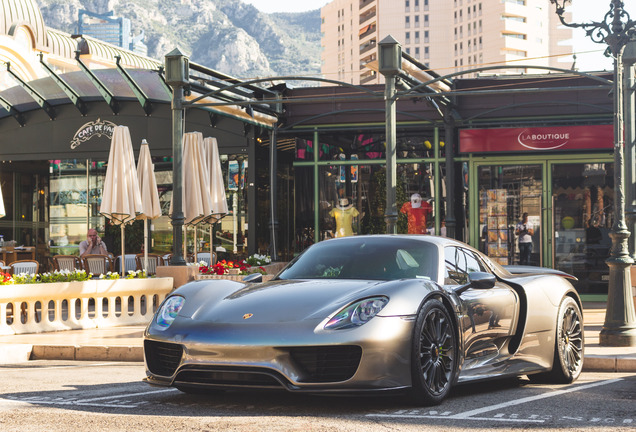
(434, 354)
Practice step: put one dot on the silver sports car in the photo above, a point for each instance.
(369, 314)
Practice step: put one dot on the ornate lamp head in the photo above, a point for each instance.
(615, 30)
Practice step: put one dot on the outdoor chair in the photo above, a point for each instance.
(24, 266)
(67, 262)
(97, 264)
(210, 260)
(154, 261)
(131, 263)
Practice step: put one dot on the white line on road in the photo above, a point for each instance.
(423, 416)
(88, 402)
(36, 368)
(471, 413)
(468, 415)
(121, 396)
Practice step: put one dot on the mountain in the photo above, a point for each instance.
(226, 35)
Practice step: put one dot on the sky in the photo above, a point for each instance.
(583, 11)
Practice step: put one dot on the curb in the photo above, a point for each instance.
(22, 353)
(91, 353)
(598, 363)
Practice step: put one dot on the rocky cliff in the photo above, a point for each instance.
(227, 35)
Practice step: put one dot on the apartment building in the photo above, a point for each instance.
(447, 35)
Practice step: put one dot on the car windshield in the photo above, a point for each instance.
(378, 258)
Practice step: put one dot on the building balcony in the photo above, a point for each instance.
(367, 16)
(365, 3)
(367, 46)
(367, 77)
(367, 31)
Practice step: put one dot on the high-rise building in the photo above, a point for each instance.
(108, 28)
(447, 35)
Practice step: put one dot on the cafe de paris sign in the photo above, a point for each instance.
(87, 131)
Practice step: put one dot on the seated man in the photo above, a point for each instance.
(93, 245)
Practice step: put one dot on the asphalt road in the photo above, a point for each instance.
(50, 396)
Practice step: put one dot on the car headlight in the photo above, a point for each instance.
(168, 312)
(357, 314)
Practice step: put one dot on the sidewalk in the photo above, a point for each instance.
(126, 344)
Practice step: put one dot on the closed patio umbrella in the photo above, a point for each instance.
(2, 210)
(217, 186)
(196, 190)
(151, 209)
(121, 197)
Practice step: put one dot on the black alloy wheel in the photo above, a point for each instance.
(434, 354)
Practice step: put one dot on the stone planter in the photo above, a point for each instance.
(238, 278)
(42, 307)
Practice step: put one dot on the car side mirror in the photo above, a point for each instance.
(478, 280)
(253, 278)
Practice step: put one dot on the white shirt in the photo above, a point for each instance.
(526, 237)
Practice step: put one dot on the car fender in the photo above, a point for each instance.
(407, 295)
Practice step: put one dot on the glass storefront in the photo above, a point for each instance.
(569, 206)
(349, 176)
(75, 198)
(25, 191)
(506, 192)
(582, 200)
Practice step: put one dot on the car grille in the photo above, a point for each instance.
(326, 363)
(162, 358)
(227, 377)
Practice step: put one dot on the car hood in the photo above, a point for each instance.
(283, 301)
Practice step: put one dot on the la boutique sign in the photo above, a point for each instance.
(536, 139)
(543, 141)
(98, 128)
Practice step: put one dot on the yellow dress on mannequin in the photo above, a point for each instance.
(344, 214)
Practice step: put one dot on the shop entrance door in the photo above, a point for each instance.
(505, 194)
(583, 214)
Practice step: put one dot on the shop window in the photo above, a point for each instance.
(582, 197)
(506, 192)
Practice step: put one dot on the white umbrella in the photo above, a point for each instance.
(2, 210)
(196, 203)
(121, 198)
(149, 193)
(217, 186)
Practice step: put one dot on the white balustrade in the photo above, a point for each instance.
(44, 307)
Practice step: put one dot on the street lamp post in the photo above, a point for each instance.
(617, 31)
(390, 65)
(177, 77)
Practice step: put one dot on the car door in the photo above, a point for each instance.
(488, 316)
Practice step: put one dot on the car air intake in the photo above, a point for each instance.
(322, 364)
(162, 358)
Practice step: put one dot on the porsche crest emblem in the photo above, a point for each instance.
(248, 316)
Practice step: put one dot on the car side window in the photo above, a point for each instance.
(458, 263)
(454, 266)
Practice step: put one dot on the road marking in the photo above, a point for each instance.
(36, 368)
(119, 396)
(469, 415)
(120, 400)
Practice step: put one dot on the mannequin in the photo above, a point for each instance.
(417, 211)
(344, 213)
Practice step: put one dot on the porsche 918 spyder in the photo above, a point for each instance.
(377, 313)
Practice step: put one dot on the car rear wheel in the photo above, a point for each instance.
(569, 346)
(434, 354)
